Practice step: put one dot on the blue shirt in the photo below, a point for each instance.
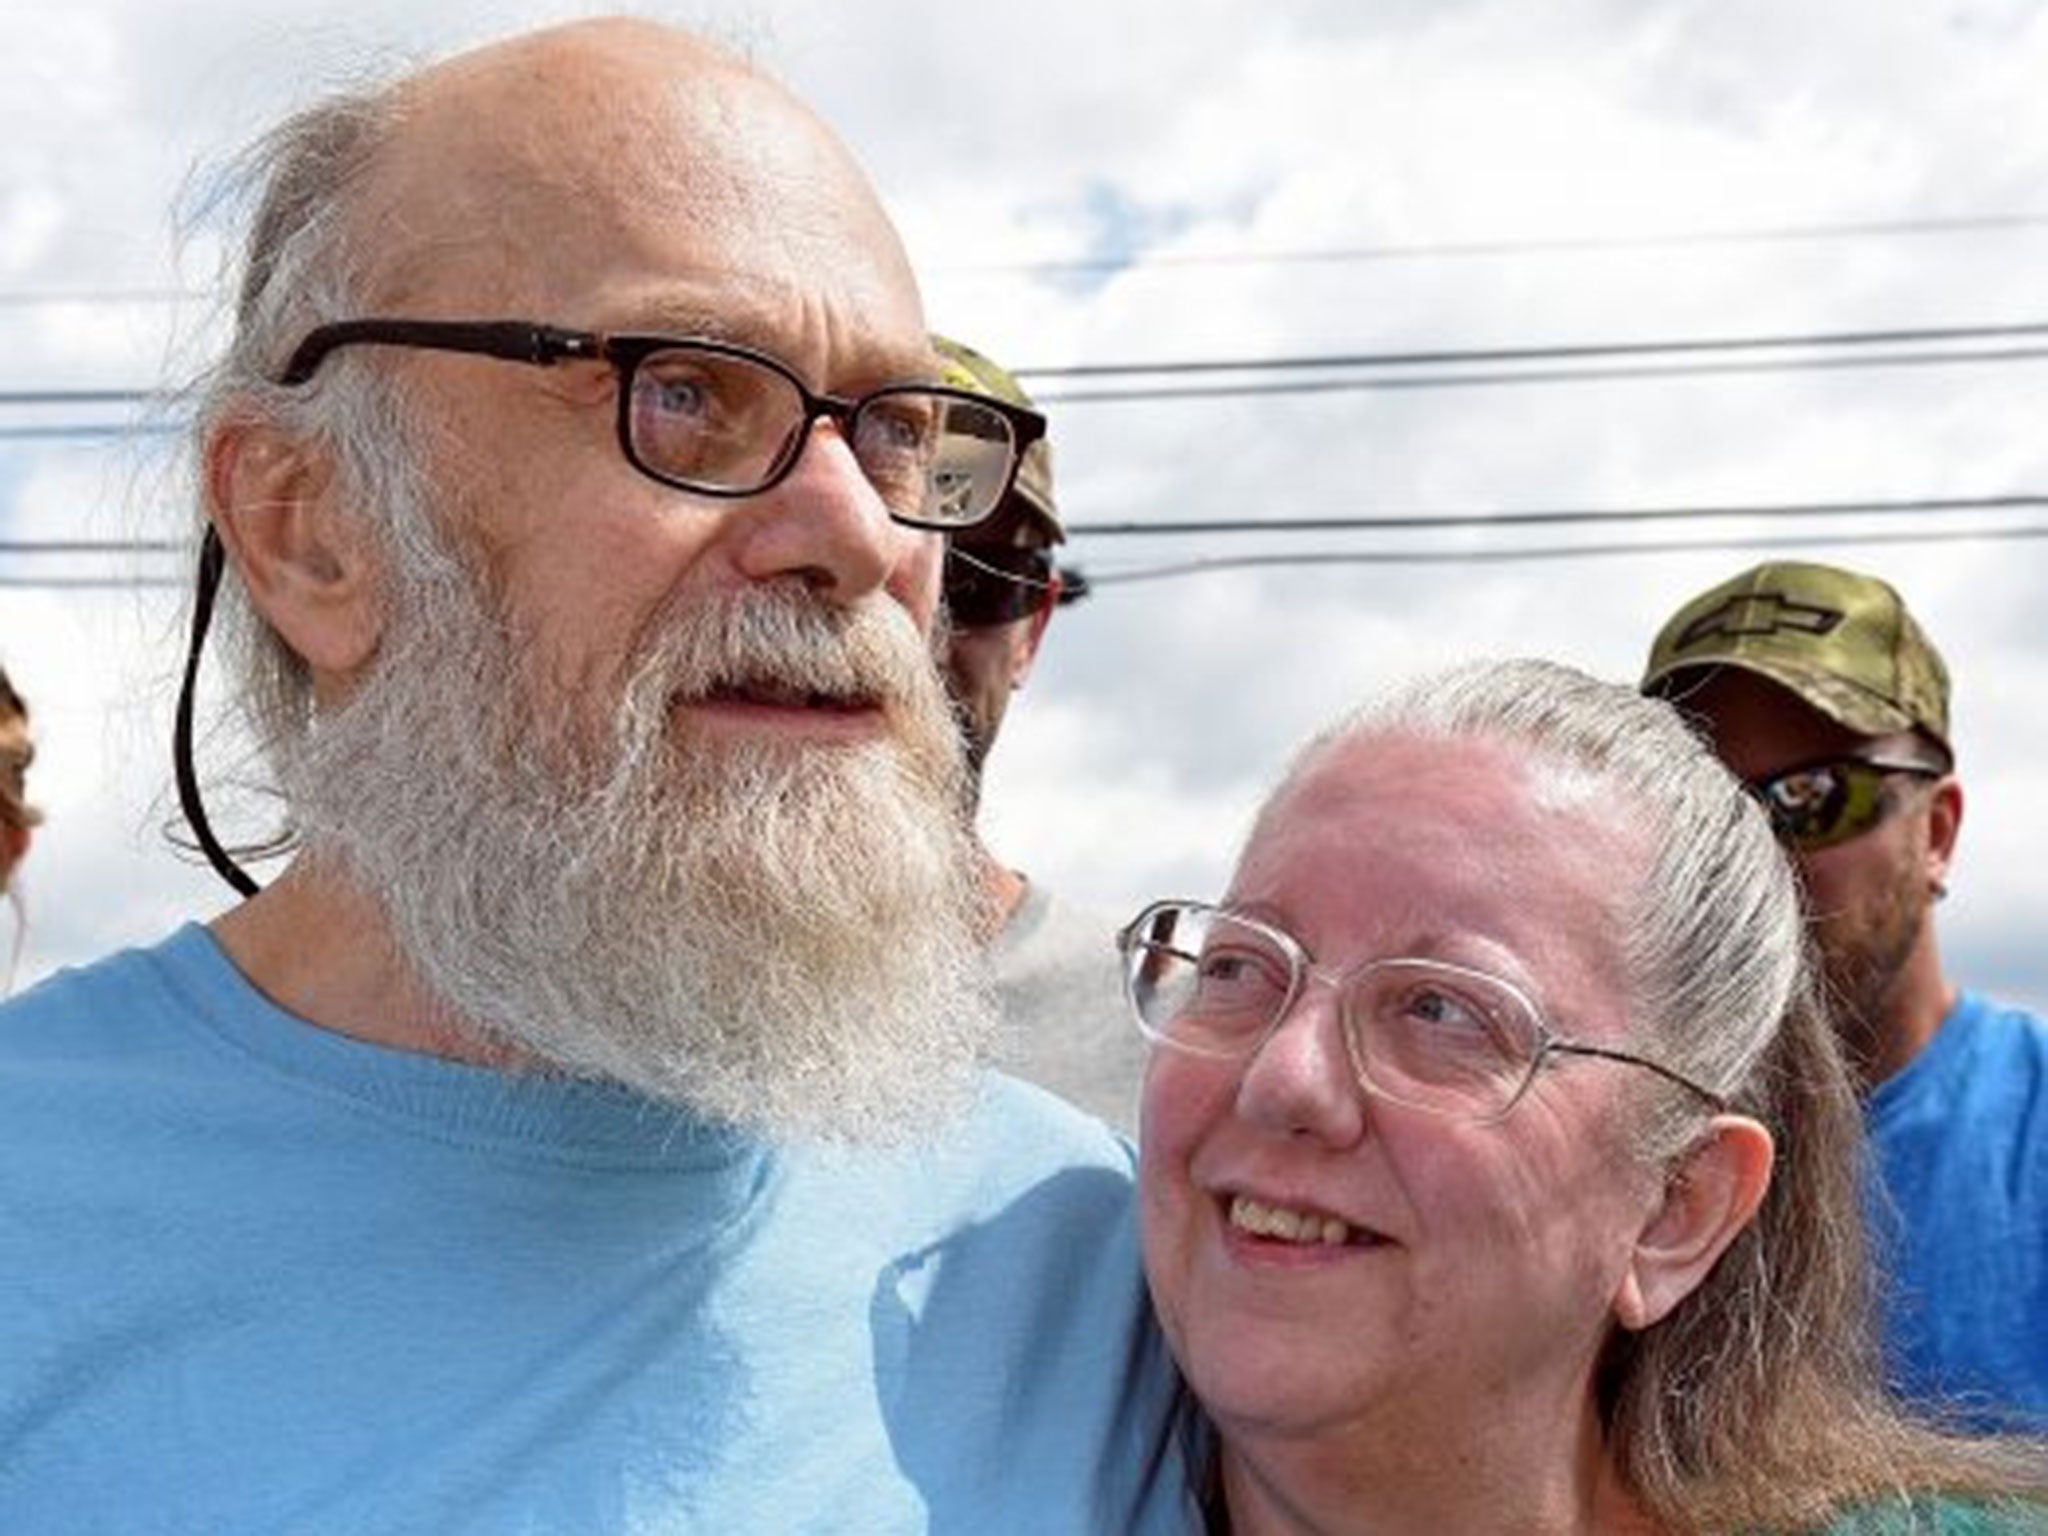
(1960, 1138)
(260, 1277)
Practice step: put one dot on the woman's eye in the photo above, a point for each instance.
(1445, 1011)
(1239, 978)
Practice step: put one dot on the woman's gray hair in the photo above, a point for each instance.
(1758, 1401)
(1714, 939)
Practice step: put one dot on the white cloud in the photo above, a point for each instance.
(1160, 710)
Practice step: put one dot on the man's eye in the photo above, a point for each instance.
(895, 426)
(677, 397)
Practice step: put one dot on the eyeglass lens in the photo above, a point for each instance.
(1824, 803)
(725, 422)
(1422, 1032)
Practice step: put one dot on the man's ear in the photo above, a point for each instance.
(309, 563)
(1944, 824)
(1707, 1200)
(1027, 650)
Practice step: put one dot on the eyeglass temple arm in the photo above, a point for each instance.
(212, 558)
(519, 341)
(1572, 1048)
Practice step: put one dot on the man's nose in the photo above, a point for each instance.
(824, 524)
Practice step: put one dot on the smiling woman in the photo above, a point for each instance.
(1500, 1170)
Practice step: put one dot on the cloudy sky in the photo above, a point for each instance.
(1183, 181)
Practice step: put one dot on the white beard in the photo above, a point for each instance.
(780, 937)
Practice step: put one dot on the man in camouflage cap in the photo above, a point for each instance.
(1057, 981)
(1821, 691)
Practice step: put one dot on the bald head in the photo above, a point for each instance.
(508, 176)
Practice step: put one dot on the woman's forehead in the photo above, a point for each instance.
(1386, 842)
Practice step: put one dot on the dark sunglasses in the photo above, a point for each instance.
(992, 584)
(1817, 805)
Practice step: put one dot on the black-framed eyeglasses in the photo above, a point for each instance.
(990, 584)
(1442, 1038)
(718, 419)
(703, 416)
(1817, 805)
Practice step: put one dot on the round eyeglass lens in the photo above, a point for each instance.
(1440, 1037)
(1204, 981)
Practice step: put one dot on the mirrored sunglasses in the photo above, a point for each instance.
(1817, 805)
(989, 584)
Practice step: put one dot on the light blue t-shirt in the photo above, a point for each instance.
(259, 1277)
(1960, 1138)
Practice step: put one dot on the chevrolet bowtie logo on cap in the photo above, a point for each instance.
(1838, 640)
(1756, 613)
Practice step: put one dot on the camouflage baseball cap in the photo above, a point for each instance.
(1842, 642)
(962, 367)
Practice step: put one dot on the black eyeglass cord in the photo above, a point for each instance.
(212, 559)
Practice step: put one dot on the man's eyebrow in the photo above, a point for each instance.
(733, 320)
(684, 318)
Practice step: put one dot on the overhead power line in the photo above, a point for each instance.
(1372, 522)
(1204, 566)
(92, 547)
(1417, 250)
(2027, 330)
(88, 431)
(1433, 250)
(1429, 381)
(1938, 344)
(1384, 521)
(34, 298)
(1132, 576)
(93, 583)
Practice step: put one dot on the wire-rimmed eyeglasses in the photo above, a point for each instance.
(704, 416)
(1442, 1038)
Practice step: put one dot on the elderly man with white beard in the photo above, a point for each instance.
(585, 1132)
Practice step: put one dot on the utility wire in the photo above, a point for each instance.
(1198, 567)
(1376, 522)
(33, 298)
(1132, 576)
(1430, 358)
(94, 583)
(1551, 352)
(1328, 386)
(91, 431)
(1539, 245)
(1851, 229)
(1410, 382)
(92, 547)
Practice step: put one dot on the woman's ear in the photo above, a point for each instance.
(309, 563)
(1708, 1198)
